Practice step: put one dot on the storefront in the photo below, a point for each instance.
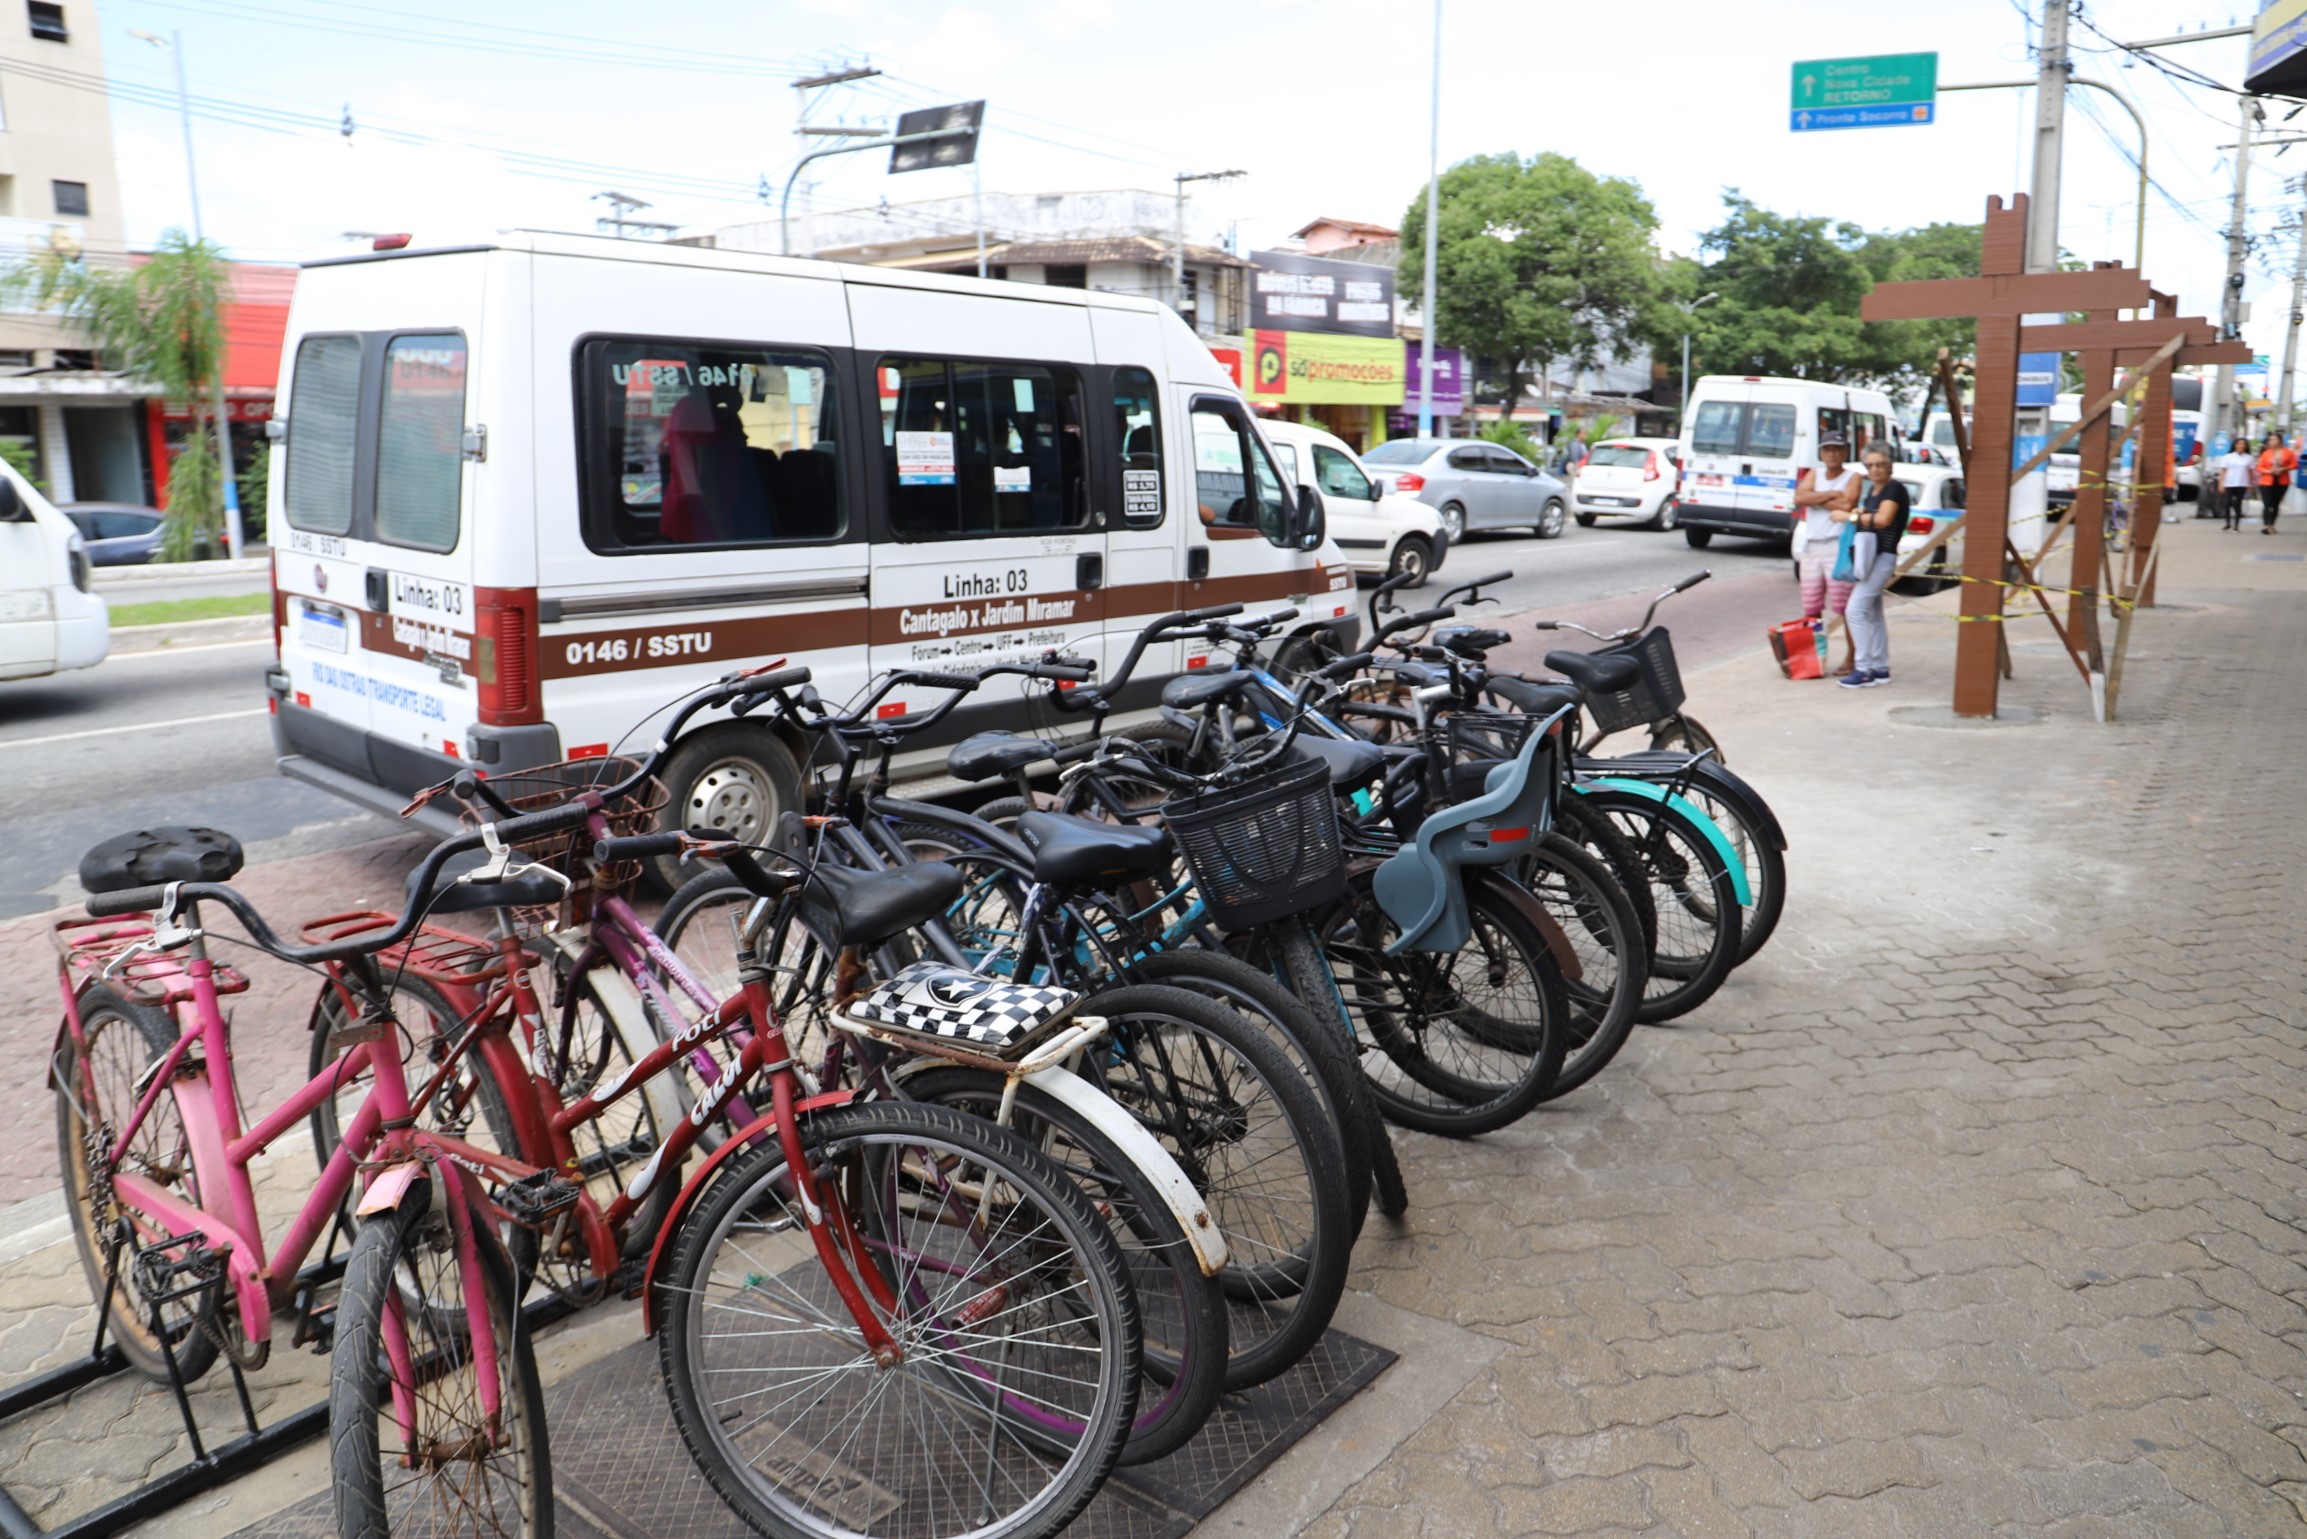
(255, 320)
(1321, 346)
(1449, 398)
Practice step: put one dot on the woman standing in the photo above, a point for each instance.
(1880, 518)
(2276, 463)
(2236, 467)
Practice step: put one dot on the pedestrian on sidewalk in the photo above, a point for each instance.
(2237, 468)
(1880, 518)
(2276, 462)
(1827, 494)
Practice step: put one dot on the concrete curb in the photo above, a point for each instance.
(178, 571)
(133, 640)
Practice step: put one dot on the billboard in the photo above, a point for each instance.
(2278, 64)
(1315, 368)
(1293, 292)
(1449, 380)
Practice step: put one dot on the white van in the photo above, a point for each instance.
(1746, 439)
(49, 620)
(529, 489)
(1381, 533)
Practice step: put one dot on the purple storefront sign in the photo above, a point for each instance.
(1449, 385)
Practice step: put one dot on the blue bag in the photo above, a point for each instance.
(1845, 558)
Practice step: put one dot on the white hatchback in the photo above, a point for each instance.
(1381, 533)
(1637, 478)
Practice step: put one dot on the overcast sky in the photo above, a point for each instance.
(465, 124)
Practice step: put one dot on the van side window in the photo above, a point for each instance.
(1339, 476)
(1137, 414)
(979, 449)
(700, 444)
(1770, 431)
(1287, 454)
(323, 415)
(1235, 483)
(1717, 426)
(1833, 419)
(420, 442)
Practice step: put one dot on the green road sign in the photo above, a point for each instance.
(1884, 91)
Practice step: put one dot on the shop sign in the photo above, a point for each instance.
(1312, 368)
(1449, 380)
(1291, 292)
(1230, 360)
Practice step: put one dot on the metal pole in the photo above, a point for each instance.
(1433, 238)
(2051, 70)
(2139, 245)
(1685, 376)
(1178, 252)
(220, 426)
(785, 201)
(2231, 295)
(2298, 304)
(977, 211)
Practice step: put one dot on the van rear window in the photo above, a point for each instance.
(1716, 427)
(695, 444)
(420, 442)
(323, 417)
(1770, 432)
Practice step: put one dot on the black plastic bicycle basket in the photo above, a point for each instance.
(1265, 850)
(1651, 698)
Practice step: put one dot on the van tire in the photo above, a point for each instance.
(1412, 555)
(731, 777)
(1699, 538)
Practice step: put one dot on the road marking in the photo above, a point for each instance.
(142, 726)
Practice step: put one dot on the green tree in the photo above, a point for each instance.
(162, 321)
(1537, 261)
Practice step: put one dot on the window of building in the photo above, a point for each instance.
(72, 358)
(708, 444)
(420, 442)
(323, 424)
(1066, 275)
(15, 358)
(71, 197)
(972, 449)
(48, 21)
(1137, 413)
(1235, 482)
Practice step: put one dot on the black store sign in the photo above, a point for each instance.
(1290, 292)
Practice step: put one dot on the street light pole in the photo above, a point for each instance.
(234, 534)
(2231, 295)
(1178, 254)
(1433, 237)
(2298, 302)
(2051, 69)
(1687, 312)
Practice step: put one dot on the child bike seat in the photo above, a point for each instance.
(990, 1016)
(150, 856)
(1421, 888)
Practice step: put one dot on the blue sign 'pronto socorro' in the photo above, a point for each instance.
(1891, 90)
(1806, 120)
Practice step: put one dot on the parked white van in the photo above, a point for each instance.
(1380, 532)
(1746, 439)
(529, 489)
(49, 620)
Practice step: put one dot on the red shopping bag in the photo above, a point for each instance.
(1800, 647)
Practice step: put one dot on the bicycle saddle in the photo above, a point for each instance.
(448, 896)
(1069, 850)
(1598, 673)
(1190, 690)
(1535, 699)
(991, 754)
(865, 908)
(1352, 765)
(153, 855)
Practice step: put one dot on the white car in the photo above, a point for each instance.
(1637, 478)
(1934, 493)
(1380, 533)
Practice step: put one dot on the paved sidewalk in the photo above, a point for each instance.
(1969, 1207)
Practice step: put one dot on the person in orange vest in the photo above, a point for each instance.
(2276, 462)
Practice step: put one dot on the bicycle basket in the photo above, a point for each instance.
(570, 851)
(1263, 851)
(1651, 698)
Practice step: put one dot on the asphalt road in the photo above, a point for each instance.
(181, 735)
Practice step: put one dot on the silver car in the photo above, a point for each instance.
(1473, 484)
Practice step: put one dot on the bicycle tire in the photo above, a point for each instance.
(392, 1263)
(1594, 914)
(859, 1152)
(1250, 1133)
(161, 1147)
(1765, 866)
(1601, 838)
(1310, 979)
(1499, 1065)
(1683, 734)
(1183, 1313)
(1696, 901)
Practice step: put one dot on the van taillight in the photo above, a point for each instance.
(279, 615)
(505, 656)
(1409, 483)
(1650, 466)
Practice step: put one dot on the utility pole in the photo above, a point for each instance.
(1433, 239)
(622, 206)
(803, 100)
(2298, 304)
(2052, 66)
(1178, 257)
(2224, 417)
(235, 535)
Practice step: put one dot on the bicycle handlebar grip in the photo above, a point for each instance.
(1343, 666)
(1061, 673)
(1214, 612)
(1278, 617)
(758, 684)
(963, 682)
(551, 820)
(129, 900)
(1544, 625)
(636, 847)
(1489, 581)
(1690, 582)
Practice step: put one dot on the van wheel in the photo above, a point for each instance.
(1699, 538)
(1413, 556)
(736, 779)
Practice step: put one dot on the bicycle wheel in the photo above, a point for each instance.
(1694, 897)
(1183, 1312)
(96, 1095)
(1763, 861)
(1308, 972)
(1254, 1138)
(1594, 833)
(1683, 734)
(1457, 1044)
(1018, 1336)
(1591, 910)
(415, 1448)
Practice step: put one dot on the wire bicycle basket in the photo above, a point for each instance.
(1265, 850)
(1656, 695)
(570, 851)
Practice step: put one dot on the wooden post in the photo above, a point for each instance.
(2154, 453)
(1987, 495)
(2089, 514)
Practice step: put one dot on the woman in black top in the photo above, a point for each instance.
(1880, 518)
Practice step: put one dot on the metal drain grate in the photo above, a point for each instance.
(620, 1470)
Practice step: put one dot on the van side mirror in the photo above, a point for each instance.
(1310, 520)
(1377, 491)
(12, 506)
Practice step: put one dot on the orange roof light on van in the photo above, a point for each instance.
(390, 242)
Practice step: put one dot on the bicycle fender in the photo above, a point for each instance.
(1526, 903)
(395, 1185)
(1724, 781)
(1143, 1150)
(1704, 824)
(742, 1139)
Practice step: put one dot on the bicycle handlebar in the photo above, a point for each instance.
(1170, 627)
(1637, 629)
(1413, 622)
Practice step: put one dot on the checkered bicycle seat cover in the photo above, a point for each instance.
(940, 1000)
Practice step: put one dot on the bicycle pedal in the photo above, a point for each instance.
(631, 1277)
(315, 1327)
(164, 1278)
(535, 1199)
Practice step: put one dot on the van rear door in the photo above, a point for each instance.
(1763, 489)
(1714, 435)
